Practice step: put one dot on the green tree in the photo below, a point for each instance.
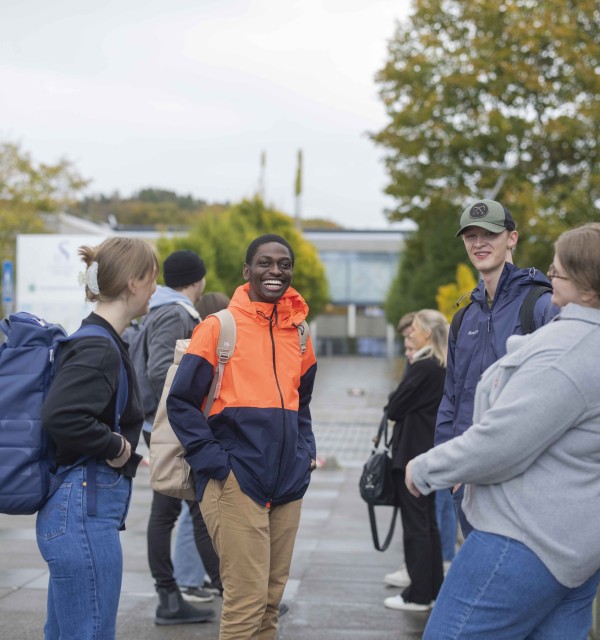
(29, 188)
(221, 238)
(149, 207)
(501, 99)
(428, 260)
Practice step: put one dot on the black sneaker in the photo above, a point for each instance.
(194, 594)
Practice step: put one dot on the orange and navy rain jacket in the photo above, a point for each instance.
(260, 425)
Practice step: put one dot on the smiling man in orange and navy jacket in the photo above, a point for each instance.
(253, 457)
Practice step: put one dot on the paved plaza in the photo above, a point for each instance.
(335, 591)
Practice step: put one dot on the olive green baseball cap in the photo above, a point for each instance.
(487, 214)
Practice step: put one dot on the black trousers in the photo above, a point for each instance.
(422, 545)
(163, 516)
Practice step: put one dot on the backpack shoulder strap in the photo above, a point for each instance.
(526, 313)
(303, 333)
(95, 330)
(457, 319)
(225, 348)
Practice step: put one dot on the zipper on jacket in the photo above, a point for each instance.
(274, 316)
(499, 289)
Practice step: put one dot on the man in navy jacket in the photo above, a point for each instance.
(490, 236)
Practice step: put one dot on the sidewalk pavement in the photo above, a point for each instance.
(336, 588)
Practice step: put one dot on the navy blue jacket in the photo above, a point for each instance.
(481, 341)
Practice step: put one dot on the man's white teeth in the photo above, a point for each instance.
(273, 283)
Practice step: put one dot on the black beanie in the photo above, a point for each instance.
(182, 268)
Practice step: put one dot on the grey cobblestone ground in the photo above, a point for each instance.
(335, 589)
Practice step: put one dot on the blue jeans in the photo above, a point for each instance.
(84, 555)
(498, 588)
(457, 498)
(187, 564)
(446, 519)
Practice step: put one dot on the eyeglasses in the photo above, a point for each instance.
(552, 274)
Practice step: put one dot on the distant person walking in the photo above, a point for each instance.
(77, 538)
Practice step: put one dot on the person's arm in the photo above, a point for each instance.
(83, 388)
(536, 407)
(186, 397)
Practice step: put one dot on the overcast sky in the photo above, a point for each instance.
(185, 95)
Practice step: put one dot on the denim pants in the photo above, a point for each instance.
(84, 554)
(457, 498)
(498, 588)
(446, 519)
(187, 563)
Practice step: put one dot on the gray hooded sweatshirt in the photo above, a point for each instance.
(171, 317)
(531, 460)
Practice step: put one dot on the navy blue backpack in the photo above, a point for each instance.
(27, 459)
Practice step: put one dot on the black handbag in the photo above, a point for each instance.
(377, 486)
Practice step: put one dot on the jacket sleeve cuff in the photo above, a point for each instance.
(114, 448)
(419, 475)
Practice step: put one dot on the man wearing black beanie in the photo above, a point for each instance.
(172, 316)
(183, 269)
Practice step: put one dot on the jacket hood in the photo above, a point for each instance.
(166, 295)
(510, 279)
(291, 307)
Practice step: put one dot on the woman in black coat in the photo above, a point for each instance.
(413, 406)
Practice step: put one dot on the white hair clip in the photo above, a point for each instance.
(89, 278)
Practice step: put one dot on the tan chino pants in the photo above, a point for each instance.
(255, 546)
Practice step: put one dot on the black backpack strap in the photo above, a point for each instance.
(526, 313)
(375, 534)
(457, 319)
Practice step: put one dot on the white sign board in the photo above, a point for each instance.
(48, 268)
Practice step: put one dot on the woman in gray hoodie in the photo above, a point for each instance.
(531, 462)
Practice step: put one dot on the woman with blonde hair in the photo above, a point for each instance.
(413, 407)
(531, 464)
(78, 527)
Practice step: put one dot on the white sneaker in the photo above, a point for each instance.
(398, 578)
(398, 603)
